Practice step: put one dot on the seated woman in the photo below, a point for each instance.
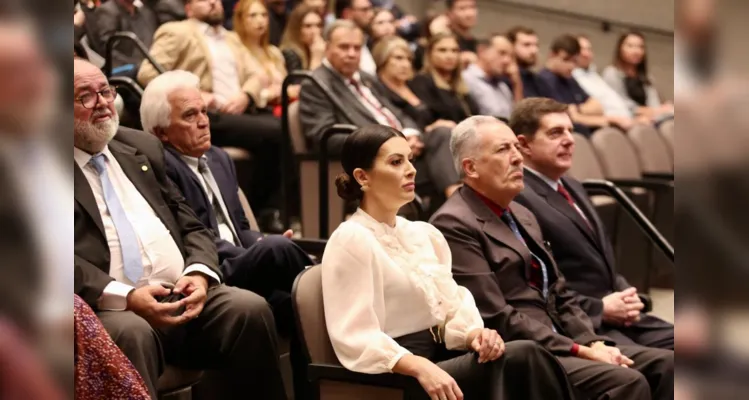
(629, 77)
(381, 26)
(440, 85)
(251, 23)
(391, 304)
(436, 23)
(302, 44)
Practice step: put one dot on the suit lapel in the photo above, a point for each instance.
(579, 195)
(531, 229)
(349, 99)
(85, 197)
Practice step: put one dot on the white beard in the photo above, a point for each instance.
(92, 138)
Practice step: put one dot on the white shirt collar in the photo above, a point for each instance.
(554, 184)
(82, 158)
(356, 77)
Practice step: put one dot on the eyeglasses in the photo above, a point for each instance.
(91, 98)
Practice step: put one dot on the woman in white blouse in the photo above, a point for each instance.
(391, 304)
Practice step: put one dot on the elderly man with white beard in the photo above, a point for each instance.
(149, 268)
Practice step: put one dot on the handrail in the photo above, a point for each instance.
(605, 23)
(129, 82)
(322, 169)
(642, 221)
(116, 37)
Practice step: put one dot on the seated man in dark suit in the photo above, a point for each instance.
(569, 221)
(500, 255)
(173, 110)
(359, 99)
(149, 268)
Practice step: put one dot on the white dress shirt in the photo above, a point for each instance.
(381, 282)
(370, 101)
(162, 260)
(224, 230)
(367, 62)
(555, 185)
(592, 83)
(492, 99)
(223, 64)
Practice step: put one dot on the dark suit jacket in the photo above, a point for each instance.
(223, 171)
(318, 112)
(585, 258)
(134, 150)
(111, 17)
(495, 266)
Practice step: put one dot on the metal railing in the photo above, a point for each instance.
(125, 35)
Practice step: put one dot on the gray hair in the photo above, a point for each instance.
(338, 24)
(464, 142)
(155, 107)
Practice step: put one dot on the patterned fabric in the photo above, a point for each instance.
(101, 370)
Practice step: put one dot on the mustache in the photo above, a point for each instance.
(103, 113)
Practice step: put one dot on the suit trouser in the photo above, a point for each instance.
(234, 335)
(269, 268)
(650, 331)
(651, 376)
(525, 371)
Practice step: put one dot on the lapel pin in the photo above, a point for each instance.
(144, 168)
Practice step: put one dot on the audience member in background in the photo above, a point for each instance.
(391, 305)
(587, 76)
(277, 16)
(500, 255)
(382, 26)
(233, 89)
(440, 85)
(229, 7)
(488, 78)
(320, 6)
(302, 45)
(438, 23)
(586, 112)
(463, 16)
(125, 15)
(569, 221)
(173, 110)
(358, 99)
(629, 77)
(101, 370)
(251, 23)
(148, 266)
(361, 13)
(169, 10)
(406, 24)
(525, 44)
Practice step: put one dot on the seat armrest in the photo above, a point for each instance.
(652, 184)
(647, 301)
(314, 247)
(317, 372)
(659, 176)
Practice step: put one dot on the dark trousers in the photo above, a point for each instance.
(234, 336)
(269, 268)
(650, 331)
(651, 377)
(524, 371)
(259, 134)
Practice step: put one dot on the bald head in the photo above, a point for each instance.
(95, 118)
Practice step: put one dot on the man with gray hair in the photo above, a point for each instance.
(173, 110)
(357, 98)
(500, 255)
(149, 268)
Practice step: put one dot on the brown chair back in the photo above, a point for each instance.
(310, 315)
(652, 149)
(585, 163)
(248, 211)
(617, 154)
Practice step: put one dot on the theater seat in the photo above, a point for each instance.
(652, 150)
(248, 211)
(176, 380)
(331, 380)
(666, 130)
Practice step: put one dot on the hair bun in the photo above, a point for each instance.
(348, 188)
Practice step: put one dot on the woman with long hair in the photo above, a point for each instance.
(628, 76)
(381, 26)
(391, 303)
(302, 44)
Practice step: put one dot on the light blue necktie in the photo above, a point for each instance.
(131, 257)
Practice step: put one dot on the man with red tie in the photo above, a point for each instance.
(577, 236)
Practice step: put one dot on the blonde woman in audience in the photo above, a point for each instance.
(251, 23)
(382, 26)
(302, 44)
(440, 85)
(391, 304)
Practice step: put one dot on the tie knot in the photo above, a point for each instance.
(202, 164)
(99, 161)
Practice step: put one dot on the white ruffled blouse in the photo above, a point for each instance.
(381, 282)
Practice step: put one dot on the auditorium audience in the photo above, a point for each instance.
(148, 266)
(233, 89)
(525, 44)
(628, 76)
(433, 25)
(277, 20)
(463, 16)
(173, 110)
(568, 219)
(382, 25)
(101, 369)
(440, 85)
(251, 23)
(124, 15)
(357, 98)
(586, 112)
(169, 10)
(413, 319)
(361, 13)
(302, 45)
(488, 78)
(393, 58)
(501, 256)
(406, 24)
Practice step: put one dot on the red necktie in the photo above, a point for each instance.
(561, 189)
(392, 121)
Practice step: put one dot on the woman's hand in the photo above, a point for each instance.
(487, 343)
(438, 384)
